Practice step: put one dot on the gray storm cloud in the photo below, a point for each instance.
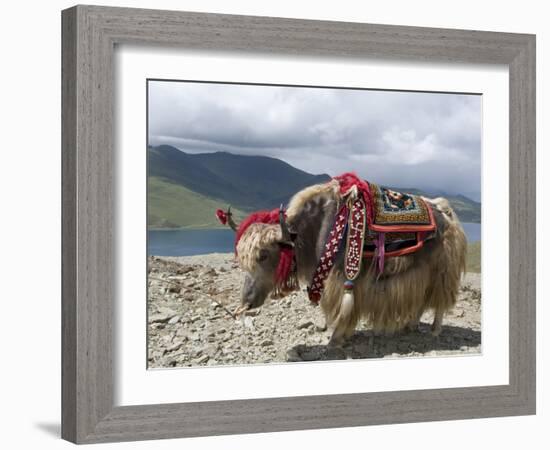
(426, 140)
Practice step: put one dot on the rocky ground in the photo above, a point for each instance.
(190, 322)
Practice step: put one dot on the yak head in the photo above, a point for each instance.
(264, 247)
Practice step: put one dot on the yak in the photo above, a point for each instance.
(280, 249)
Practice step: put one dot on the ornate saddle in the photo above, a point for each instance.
(376, 222)
(405, 220)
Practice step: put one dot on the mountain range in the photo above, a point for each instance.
(184, 189)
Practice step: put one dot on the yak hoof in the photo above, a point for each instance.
(436, 330)
(335, 342)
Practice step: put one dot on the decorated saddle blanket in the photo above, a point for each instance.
(405, 219)
(398, 212)
(373, 222)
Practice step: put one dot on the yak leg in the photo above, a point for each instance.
(413, 324)
(342, 331)
(349, 332)
(340, 334)
(337, 337)
(437, 323)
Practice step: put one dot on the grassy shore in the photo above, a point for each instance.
(473, 260)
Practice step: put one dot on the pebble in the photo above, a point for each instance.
(174, 320)
(293, 356)
(304, 324)
(159, 318)
(167, 311)
(194, 337)
(321, 325)
(203, 359)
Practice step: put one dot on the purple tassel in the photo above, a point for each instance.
(381, 247)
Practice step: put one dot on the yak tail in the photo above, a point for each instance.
(347, 304)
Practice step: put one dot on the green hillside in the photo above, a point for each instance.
(473, 260)
(466, 209)
(247, 182)
(173, 206)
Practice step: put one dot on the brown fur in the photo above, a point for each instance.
(327, 191)
(256, 237)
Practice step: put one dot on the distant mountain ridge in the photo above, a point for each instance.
(246, 182)
(184, 188)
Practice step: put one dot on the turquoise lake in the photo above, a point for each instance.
(184, 242)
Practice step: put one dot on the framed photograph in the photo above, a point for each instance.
(268, 222)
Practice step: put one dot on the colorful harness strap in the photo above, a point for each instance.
(350, 220)
(356, 237)
(327, 259)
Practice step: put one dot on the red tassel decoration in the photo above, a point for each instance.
(285, 264)
(286, 276)
(348, 180)
(222, 216)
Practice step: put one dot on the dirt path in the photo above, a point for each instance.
(190, 322)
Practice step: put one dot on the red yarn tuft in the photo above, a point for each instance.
(222, 216)
(348, 180)
(284, 267)
(268, 217)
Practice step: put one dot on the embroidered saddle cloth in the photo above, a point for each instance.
(405, 220)
(398, 212)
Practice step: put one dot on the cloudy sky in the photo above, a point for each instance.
(408, 139)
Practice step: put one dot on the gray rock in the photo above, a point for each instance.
(203, 359)
(174, 320)
(174, 347)
(311, 355)
(159, 354)
(182, 333)
(321, 325)
(167, 311)
(249, 322)
(266, 343)
(159, 318)
(303, 324)
(293, 356)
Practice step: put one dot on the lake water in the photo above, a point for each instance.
(473, 231)
(198, 242)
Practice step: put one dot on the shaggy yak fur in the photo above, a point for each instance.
(428, 279)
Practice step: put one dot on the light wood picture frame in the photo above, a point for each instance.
(89, 35)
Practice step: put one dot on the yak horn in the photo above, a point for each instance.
(230, 220)
(284, 228)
